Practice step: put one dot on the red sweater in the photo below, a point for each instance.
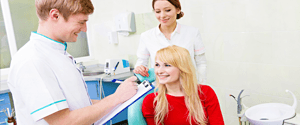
(178, 113)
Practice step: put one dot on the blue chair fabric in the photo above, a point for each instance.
(135, 115)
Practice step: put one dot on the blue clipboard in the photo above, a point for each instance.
(143, 89)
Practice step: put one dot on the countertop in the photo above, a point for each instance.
(4, 91)
(108, 78)
(3, 86)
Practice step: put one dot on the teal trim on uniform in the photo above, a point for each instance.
(47, 106)
(65, 44)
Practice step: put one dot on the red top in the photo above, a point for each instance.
(178, 113)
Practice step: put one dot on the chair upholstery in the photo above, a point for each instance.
(135, 115)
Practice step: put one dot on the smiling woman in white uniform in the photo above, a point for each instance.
(46, 85)
(170, 32)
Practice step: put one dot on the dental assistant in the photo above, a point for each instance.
(170, 32)
(46, 85)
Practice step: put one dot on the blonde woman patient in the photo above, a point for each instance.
(178, 99)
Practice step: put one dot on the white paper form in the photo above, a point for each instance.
(143, 88)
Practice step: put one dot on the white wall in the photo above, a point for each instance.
(251, 44)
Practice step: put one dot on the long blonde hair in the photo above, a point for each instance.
(179, 57)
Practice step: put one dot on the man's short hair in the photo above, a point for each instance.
(65, 7)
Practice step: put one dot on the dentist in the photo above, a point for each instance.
(170, 32)
(46, 85)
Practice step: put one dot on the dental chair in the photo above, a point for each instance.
(135, 115)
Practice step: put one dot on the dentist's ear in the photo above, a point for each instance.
(54, 14)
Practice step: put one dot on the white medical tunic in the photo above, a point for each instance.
(184, 36)
(44, 79)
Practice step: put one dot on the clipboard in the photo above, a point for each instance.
(143, 89)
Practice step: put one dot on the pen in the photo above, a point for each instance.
(116, 67)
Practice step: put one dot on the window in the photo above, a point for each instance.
(5, 53)
(8, 44)
(17, 20)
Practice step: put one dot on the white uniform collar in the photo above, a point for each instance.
(177, 29)
(62, 47)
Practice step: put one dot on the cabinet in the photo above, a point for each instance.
(108, 89)
(93, 89)
(4, 103)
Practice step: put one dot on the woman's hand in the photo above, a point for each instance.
(141, 70)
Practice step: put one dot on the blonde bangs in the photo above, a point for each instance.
(175, 56)
(166, 56)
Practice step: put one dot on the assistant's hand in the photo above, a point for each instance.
(141, 70)
(127, 89)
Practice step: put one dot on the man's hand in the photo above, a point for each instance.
(127, 89)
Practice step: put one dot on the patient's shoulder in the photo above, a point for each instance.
(149, 99)
(150, 96)
(148, 102)
(205, 88)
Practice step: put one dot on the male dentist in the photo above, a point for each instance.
(47, 87)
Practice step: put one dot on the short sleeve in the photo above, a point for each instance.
(198, 45)
(212, 106)
(148, 109)
(201, 68)
(142, 53)
(40, 90)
